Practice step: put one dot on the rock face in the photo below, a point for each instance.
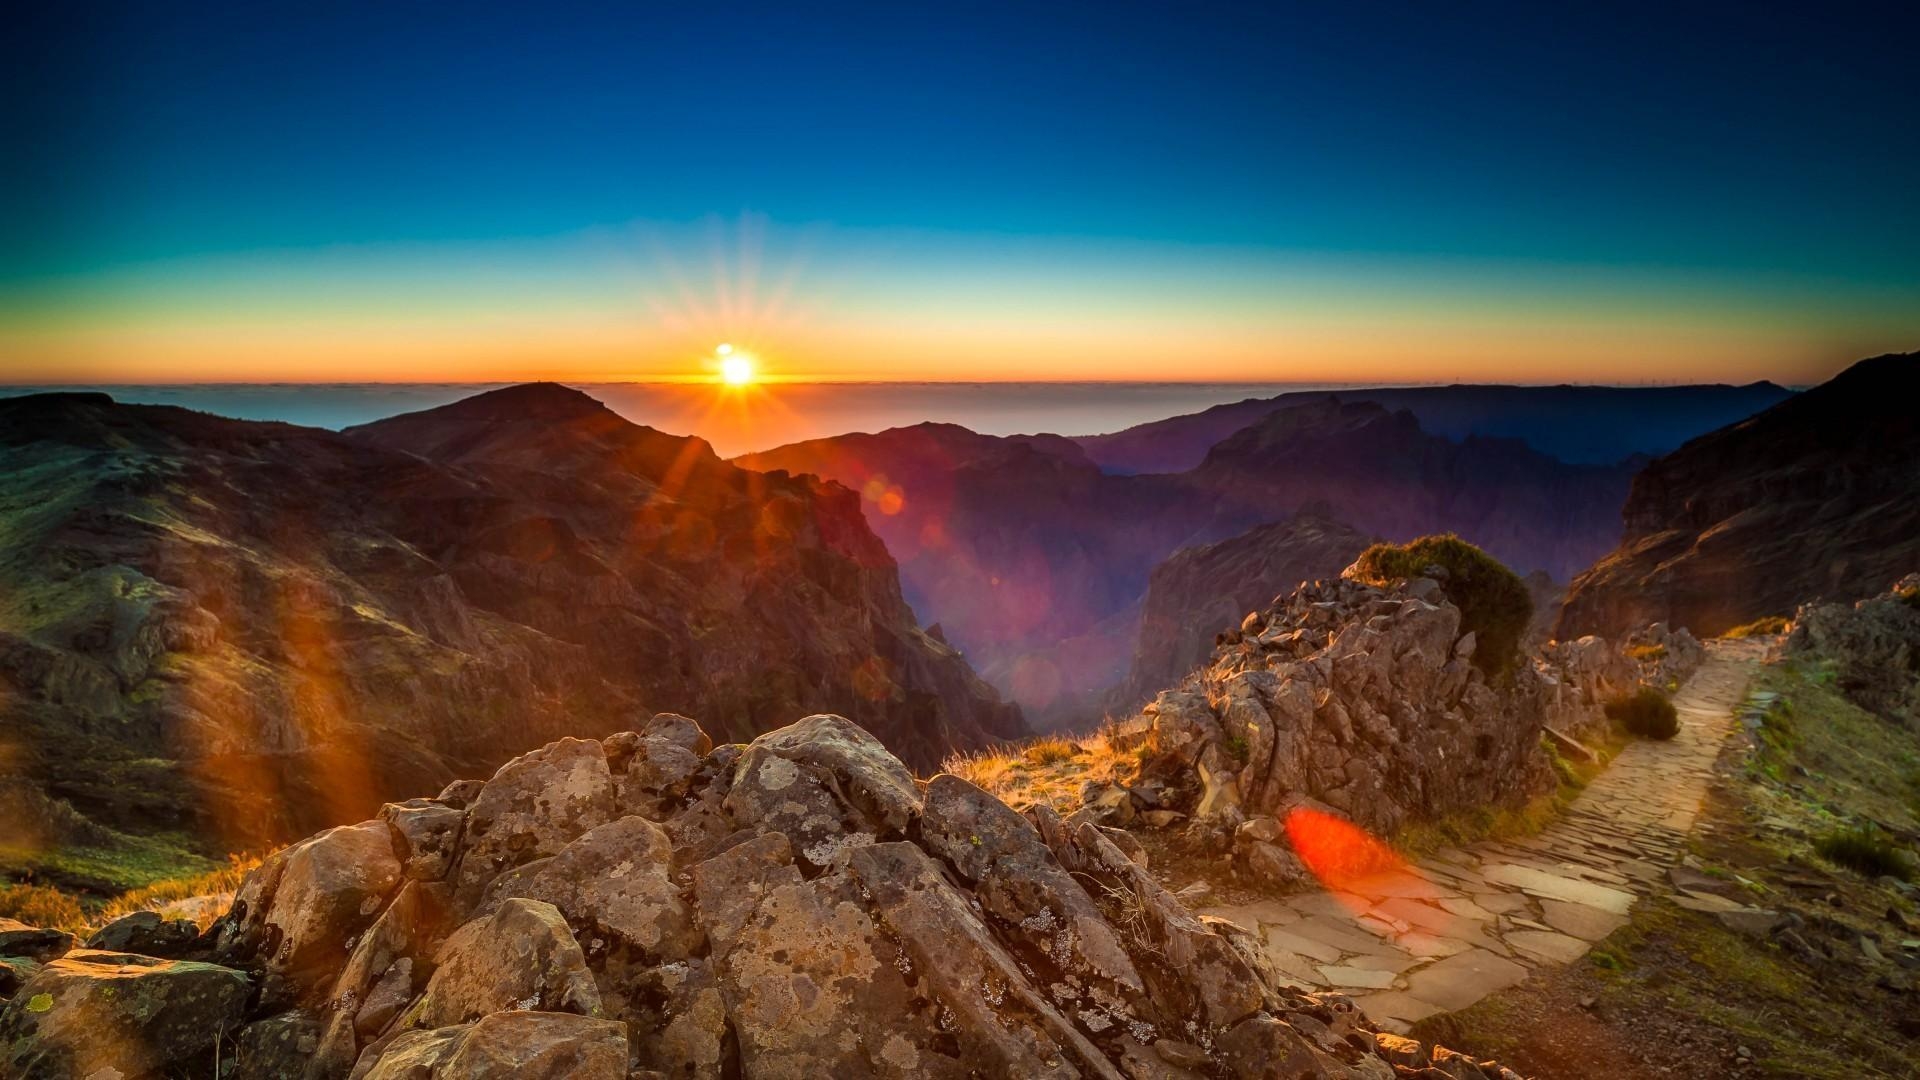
(263, 629)
(1874, 646)
(801, 907)
(1199, 592)
(1818, 498)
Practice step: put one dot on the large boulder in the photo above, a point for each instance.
(297, 913)
(106, 1014)
(1874, 647)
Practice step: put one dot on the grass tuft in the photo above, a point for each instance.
(1646, 712)
(1763, 627)
(1864, 850)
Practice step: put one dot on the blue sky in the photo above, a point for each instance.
(1748, 145)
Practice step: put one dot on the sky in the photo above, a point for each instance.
(494, 192)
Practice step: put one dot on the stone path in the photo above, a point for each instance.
(1449, 930)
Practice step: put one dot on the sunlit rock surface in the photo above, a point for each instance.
(801, 907)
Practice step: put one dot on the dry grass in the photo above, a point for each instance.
(45, 905)
(1772, 624)
(1646, 652)
(1049, 770)
(226, 879)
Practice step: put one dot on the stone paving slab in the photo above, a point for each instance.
(1464, 923)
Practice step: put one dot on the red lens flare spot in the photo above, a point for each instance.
(1337, 851)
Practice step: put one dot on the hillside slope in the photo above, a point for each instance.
(1818, 498)
(259, 629)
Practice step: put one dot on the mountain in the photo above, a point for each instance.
(203, 615)
(1591, 425)
(1033, 559)
(1200, 591)
(1380, 471)
(1022, 549)
(1818, 498)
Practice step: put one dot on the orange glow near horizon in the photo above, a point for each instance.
(861, 307)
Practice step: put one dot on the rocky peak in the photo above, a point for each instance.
(651, 905)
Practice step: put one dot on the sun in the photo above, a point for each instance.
(735, 370)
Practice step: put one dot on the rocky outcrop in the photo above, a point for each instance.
(257, 629)
(1874, 646)
(1200, 592)
(1360, 699)
(1577, 678)
(1364, 702)
(799, 906)
(1818, 498)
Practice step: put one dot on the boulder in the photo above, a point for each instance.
(534, 806)
(612, 885)
(148, 933)
(276, 1048)
(92, 1013)
(507, 1046)
(296, 913)
(36, 943)
(521, 957)
(425, 836)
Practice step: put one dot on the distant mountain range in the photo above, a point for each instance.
(274, 627)
(1584, 425)
(1817, 498)
(1035, 559)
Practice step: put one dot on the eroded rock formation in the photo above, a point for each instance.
(800, 906)
(1364, 702)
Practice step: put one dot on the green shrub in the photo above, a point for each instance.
(1772, 624)
(1493, 601)
(1646, 712)
(1865, 850)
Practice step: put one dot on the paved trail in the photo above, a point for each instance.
(1461, 924)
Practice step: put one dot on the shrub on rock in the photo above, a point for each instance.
(1494, 603)
(1646, 712)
